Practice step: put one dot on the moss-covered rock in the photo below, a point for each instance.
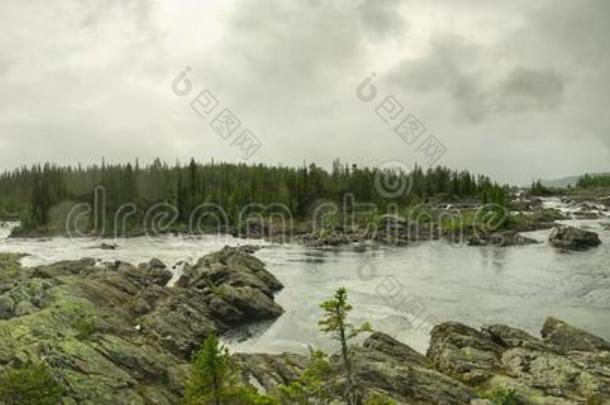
(569, 366)
(116, 333)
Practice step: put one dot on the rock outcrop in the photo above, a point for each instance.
(116, 333)
(566, 366)
(569, 237)
(464, 365)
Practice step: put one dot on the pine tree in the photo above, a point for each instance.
(214, 379)
(335, 323)
(211, 371)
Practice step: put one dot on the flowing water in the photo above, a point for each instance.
(400, 290)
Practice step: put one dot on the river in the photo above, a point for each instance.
(399, 290)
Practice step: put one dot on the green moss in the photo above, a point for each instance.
(500, 395)
(220, 292)
(9, 265)
(379, 399)
(32, 384)
(86, 326)
(594, 400)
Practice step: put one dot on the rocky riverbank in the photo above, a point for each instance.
(497, 364)
(459, 224)
(469, 226)
(117, 333)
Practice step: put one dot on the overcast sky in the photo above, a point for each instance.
(516, 89)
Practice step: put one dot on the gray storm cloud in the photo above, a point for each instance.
(86, 79)
(475, 85)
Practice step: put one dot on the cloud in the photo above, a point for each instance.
(476, 83)
(526, 89)
(524, 76)
(382, 19)
(295, 44)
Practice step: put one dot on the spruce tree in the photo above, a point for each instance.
(335, 323)
(214, 379)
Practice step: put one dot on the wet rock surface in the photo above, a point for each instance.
(566, 366)
(502, 239)
(464, 365)
(116, 333)
(569, 237)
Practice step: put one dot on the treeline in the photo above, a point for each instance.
(591, 181)
(538, 189)
(40, 194)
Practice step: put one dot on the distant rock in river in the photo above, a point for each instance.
(569, 237)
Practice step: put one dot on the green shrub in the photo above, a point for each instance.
(315, 385)
(214, 379)
(29, 385)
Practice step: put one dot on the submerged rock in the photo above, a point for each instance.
(569, 237)
(586, 214)
(502, 239)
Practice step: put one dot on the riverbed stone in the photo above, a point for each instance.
(569, 237)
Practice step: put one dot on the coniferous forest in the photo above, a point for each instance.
(41, 195)
(591, 181)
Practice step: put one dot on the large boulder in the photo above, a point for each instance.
(463, 352)
(566, 338)
(569, 237)
(509, 337)
(406, 383)
(568, 366)
(229, 267)
(266, 372)
(222, 291)
(388, 366)
(386, 344)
